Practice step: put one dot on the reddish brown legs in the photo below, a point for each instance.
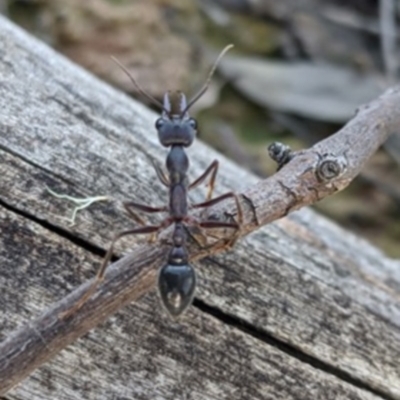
(217, 224)
(100, 273)
(212, 169)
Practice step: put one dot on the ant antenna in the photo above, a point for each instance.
(137, 86)
(208, 80)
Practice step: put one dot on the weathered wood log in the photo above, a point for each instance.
(300, 309)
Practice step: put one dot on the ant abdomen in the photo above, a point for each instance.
(176, 286)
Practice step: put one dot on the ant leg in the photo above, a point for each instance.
(212, 169)
(160, 173)
(130, 204)
(225, 243)
(193, 222)
(218, 199)
(101, 271)
(200, 243)
(215, 224)
(81, 203)
(218, 224)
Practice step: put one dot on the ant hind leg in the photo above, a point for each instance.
(101, 271)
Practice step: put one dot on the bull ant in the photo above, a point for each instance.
(176, 131)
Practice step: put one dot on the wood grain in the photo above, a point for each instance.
(300, 309)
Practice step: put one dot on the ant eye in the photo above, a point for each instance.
(193, 123)
(159, 123)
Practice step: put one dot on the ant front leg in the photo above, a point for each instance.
(160, 173)
(212, 169)
(101, 271)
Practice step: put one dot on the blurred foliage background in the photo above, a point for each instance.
(297, 73)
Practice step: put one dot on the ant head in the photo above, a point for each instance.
(175, 127)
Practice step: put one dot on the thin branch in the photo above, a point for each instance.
(387, 24)
(309, 176)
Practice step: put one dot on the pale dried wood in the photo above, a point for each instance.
(314, 299)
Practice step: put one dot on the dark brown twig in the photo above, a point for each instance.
(311, 175)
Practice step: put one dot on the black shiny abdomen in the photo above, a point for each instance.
(176, 285)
